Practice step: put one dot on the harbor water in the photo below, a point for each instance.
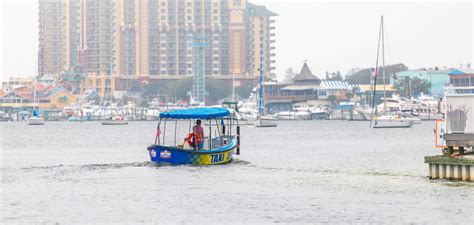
(299, 172)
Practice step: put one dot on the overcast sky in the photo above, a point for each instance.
(332, 35)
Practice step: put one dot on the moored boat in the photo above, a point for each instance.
(35, 120)
(385, 120)
(266, 121)
(389, 121)
(116, 120)
(196, 149)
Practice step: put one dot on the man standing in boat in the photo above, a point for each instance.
(198, 135)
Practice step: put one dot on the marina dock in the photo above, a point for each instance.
(444, 167)
(459, 167)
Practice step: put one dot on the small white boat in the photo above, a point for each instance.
(116, 120)
(294, 115)
(35, 120)
(389, 121)
(415, 120)
(152, 113)
(266, 121)
(319, 113)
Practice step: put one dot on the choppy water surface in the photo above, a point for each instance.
(300, 172)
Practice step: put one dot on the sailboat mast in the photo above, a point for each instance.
(260, 99)
(383, 66)
(34, 95)
(374, 89)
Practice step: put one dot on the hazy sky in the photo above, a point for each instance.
(330, 35)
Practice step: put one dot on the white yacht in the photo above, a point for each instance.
(294, 115)
(35, 120)
(152, 113)
(390, 121)
(266, 121)
(299, 112)
(115, 120)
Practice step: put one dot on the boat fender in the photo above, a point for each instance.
(190, 138)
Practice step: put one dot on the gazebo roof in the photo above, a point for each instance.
(305, 74)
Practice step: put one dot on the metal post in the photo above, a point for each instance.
(175, 130)
(238, 140)
(210, 135)
(218, 128)
(164, 133)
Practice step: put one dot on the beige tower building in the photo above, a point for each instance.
(117, 42)
(58, 33)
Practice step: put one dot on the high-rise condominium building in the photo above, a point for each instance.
(117, 40)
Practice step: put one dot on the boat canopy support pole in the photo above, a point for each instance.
(238, 134)
(223, 126)
(210, 135)
(218, 128)
(175, 130)
(164, 132)
(238, 140)
(230, 125)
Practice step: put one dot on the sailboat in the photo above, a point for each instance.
(36, 118)
(386, 120)
(262, 119)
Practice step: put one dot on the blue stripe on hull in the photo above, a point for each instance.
(176, 156)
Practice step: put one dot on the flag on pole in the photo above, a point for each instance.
(374, 71)
(158, 132)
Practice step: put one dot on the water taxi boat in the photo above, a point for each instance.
(213, 150)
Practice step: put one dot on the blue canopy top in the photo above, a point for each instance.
(196, 113)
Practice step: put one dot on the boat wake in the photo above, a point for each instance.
(335, 171)
(104, 166)
(95, 166)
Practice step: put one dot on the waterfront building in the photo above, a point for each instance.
(339, 89)
(122, 41)
(14, 82)
(302, 88)
(462, 80)
(365, 92)
(47, 97)
(437, 78)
